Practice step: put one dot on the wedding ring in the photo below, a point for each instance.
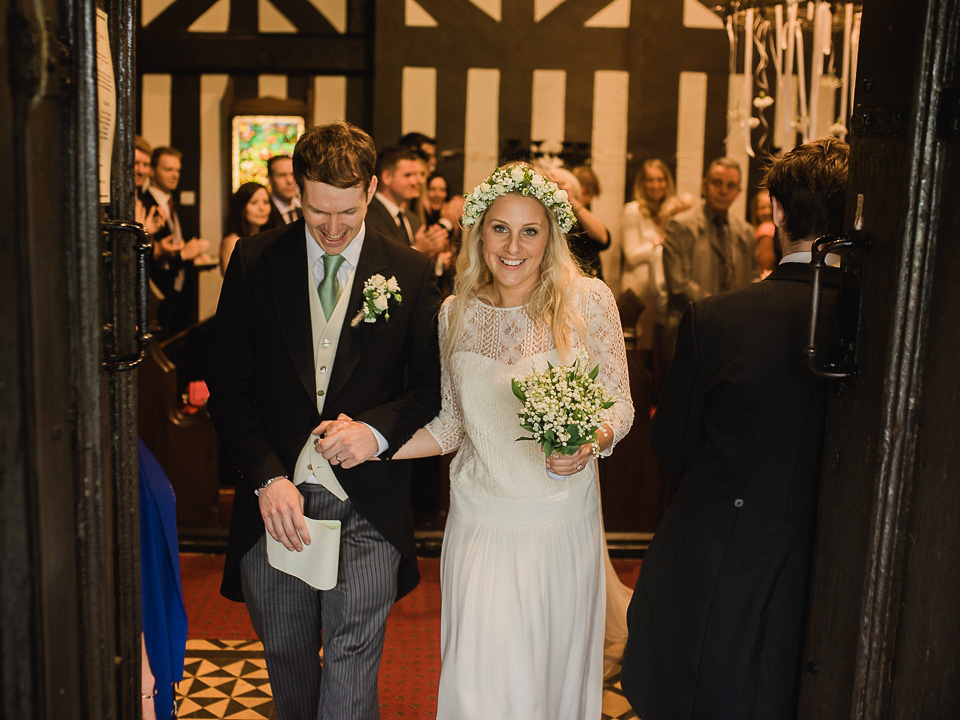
(578, 466)
(338, 458)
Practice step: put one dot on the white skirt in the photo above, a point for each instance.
(523, 608)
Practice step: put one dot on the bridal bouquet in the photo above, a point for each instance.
(563, 407)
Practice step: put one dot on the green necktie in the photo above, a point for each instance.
(329, 288)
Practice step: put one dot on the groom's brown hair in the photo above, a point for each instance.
(338, 154)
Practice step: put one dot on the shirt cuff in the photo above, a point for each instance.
(382, 443)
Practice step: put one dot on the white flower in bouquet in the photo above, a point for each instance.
(563, 407)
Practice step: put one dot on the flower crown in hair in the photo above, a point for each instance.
(521, 179)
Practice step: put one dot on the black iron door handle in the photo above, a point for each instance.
(112, 359)
(844, 365)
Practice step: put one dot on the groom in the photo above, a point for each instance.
(285, 355)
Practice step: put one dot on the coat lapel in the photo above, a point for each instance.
(287, 273)
(353, 340)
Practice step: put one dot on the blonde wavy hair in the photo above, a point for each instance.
(551, 301)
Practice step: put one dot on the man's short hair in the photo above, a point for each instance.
(810, 183)
(415, 140)
(272, 161)
(142, 145)
(724, 162)
(390, 157)
(159, 152)
(339, 154)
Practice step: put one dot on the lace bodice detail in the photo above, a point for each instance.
(479, 413)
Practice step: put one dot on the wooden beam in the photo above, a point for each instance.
(173, 52)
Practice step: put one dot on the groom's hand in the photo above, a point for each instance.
(345, 442)
(281, 506)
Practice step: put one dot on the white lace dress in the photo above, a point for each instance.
(522, 568)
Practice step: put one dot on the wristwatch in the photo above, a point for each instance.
(267, 483)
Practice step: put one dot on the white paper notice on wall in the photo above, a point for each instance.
(106, 104)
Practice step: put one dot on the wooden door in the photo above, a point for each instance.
(883, 635)
(69, 575)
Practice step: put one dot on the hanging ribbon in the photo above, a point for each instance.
(854, 54)
(747, 111)
(803, 121)
(763, 99)
(847, 77)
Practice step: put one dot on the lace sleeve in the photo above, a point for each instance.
(605, 347)
(447, 426)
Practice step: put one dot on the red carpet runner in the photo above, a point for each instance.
(225, 677)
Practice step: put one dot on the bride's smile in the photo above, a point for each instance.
(515, 233)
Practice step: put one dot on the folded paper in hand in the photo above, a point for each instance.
(318, 562)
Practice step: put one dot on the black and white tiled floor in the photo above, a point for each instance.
(227, 679)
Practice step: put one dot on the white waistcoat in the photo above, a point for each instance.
(311, 465)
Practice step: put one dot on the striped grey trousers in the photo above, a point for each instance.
(293, 620)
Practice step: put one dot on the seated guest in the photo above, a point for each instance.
(589, 235)
(717, 618)
(399, 181)
(250, 212)
(283, 188)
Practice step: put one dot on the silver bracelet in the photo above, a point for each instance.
(268, 482)
(149, 696)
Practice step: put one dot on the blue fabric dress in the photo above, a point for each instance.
(164, 615)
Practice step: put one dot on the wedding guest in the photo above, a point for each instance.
(283, 188)
(522, 617)
(589, 184)
(175, 262)
(435, 198)
(717, 617)
(654, 202)
(399, 180)
(154, 218)
(589, 235)
(706, 249)
(423, 144)
(766, 257)
(760, 209)
(249, 212)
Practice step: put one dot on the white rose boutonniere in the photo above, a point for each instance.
(377, 292)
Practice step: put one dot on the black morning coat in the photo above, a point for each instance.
(262, 383)
(716, 621)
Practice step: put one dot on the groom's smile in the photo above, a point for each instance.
(334, 215)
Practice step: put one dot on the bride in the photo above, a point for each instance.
(522, 573)
(522, 567)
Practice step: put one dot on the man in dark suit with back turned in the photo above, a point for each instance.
(717, 617)
(287, 359)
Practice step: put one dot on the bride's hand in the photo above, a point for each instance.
(570, 464)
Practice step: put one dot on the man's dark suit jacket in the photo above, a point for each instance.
(178, 309)
(263, 389)
(380, 219)
(716, 620)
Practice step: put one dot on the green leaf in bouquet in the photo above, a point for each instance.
(521, 396)
(523, 438)
(595, 372)
(548, 449)
(608, 405)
